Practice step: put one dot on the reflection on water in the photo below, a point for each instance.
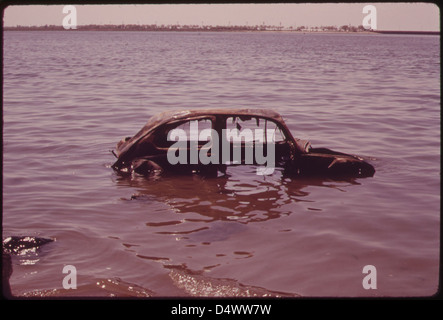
(224, 204)
(239, 195)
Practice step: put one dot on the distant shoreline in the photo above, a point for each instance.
(155, 28)
(436, 33)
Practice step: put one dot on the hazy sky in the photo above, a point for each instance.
(390, 16)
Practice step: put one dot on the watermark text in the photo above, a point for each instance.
(249, 147)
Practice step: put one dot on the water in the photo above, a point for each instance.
(69, 97)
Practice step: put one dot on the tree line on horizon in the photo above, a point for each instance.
(177, 27)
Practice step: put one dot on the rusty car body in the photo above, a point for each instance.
(146, 151)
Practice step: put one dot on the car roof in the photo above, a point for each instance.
(174, 115)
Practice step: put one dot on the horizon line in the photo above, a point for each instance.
(208, 27)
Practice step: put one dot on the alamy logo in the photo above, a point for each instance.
(370, 280)
(70, 280)
(70, 21)
(370, 20)
(249, 147)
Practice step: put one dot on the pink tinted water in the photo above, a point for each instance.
(69, 97)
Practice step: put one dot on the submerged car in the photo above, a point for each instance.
(207, 141)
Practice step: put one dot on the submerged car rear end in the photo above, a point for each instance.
(328, 163)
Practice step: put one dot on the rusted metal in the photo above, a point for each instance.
(140, 153)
